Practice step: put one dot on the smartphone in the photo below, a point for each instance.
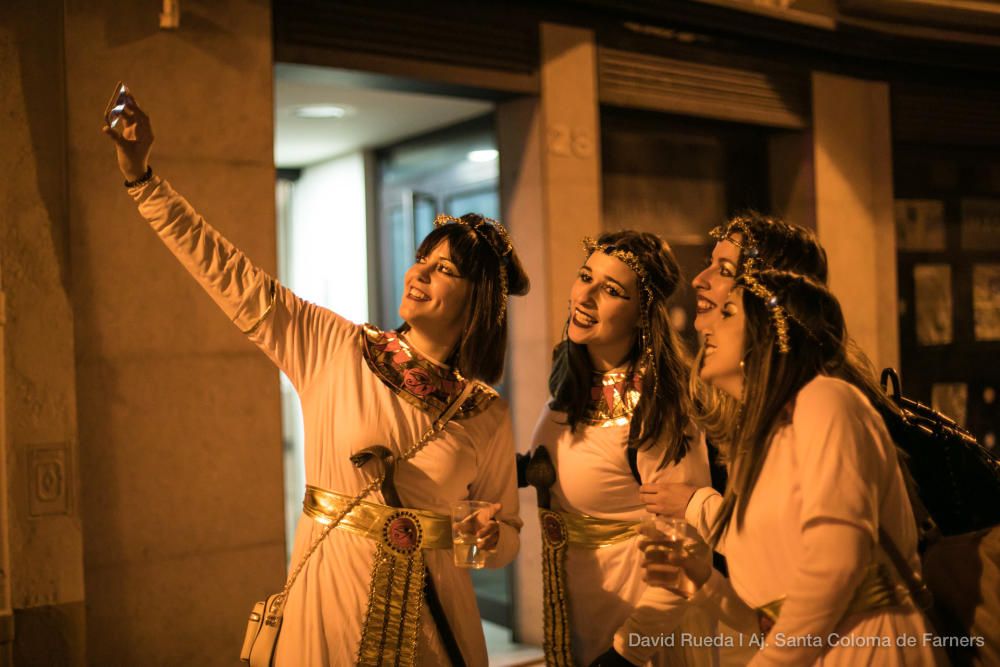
(112, 114)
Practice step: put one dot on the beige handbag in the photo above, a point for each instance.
(265, 619)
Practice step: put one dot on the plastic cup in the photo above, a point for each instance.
(670, 542)
(467, 517)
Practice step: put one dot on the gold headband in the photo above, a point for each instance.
(501, 249)
(779, 316)
(751, 252)
(627, 257)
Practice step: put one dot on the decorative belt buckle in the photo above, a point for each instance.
(554, 528)
(402, 533)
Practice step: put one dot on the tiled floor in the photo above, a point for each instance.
(505, 653)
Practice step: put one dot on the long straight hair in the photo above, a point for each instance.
(817, 338)
(664, 406)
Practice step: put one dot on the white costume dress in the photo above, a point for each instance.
(830, 481)
(609, 604)
(358, 387)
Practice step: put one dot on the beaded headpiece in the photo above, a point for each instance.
(738, 225)
(502, 248)
(779, 315)
(629, 259)
(749, 274)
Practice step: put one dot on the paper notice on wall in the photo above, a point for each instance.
(920, 224)
(986, 301)
(951, 399)
(981, 224)
(932, 293)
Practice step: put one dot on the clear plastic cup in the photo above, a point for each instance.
(670, 541)
(467, 517)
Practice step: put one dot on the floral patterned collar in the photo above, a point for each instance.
(613, 397)
(416, 379)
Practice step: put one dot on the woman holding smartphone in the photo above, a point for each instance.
(362, 593)
(816, 498)
(618, 418)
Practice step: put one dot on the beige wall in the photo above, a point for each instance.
(550, 181)
(40, 441)
(854, 207)
(116, 363)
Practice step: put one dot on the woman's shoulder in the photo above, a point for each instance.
(824, 395)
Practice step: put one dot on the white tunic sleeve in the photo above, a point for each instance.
(719, 598)
(298, 336)
(701, 511)
(496, 481)
(840, 455)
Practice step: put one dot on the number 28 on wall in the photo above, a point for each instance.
(567, 142)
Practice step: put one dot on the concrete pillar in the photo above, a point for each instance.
(854, 207)
(792, 181)
(180, 434)
(571, 160)
(521, 142)
(550, 183)
(42, 583)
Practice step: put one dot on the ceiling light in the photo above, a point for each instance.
(323, 111)
(487, 155)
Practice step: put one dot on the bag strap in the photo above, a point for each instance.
(436, 427)
(633, 463)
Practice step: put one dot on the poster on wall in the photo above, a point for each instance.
(920, 224)
(986, 301)
(981, 224)
(950, 399)
(932, 293)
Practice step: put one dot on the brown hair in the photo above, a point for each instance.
(788, 247)
(481, 350)
(817, 339)
(663, 408)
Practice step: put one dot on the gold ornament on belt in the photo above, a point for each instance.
(391, 627)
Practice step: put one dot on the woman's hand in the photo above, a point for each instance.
(133, 140)
(681, 566)
(666, 499)
(487, 528)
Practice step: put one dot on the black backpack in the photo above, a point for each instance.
(956, 478)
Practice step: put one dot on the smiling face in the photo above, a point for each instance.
(604, 310)
(435, 294)
(712, 285)
(724, 343)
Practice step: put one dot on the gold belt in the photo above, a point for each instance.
(593, 533)
(395, 595)
(876, 591)
(381, 523)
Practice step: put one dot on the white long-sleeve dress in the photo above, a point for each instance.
(609, 604)
(830, 481)
(359, 387)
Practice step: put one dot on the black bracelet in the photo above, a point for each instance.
(145, 178)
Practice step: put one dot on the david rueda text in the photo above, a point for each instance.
(780, 639)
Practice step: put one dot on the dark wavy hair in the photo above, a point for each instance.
(817, 338)
(481, 351)
(663, 408)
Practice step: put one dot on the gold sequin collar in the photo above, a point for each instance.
(416, 379)
(613, 398)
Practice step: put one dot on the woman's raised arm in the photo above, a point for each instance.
(298, 336)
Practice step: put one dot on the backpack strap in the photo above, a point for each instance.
(633, 464)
